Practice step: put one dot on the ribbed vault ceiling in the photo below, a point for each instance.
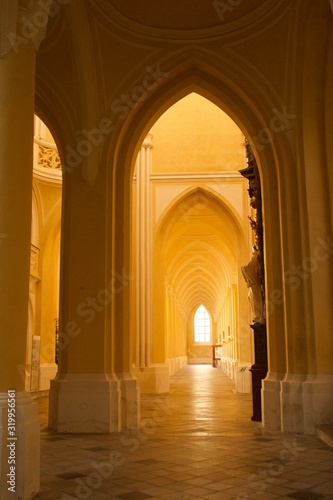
(200, 256)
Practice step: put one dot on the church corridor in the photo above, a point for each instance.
(196, 442)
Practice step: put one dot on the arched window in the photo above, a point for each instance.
(201, 325)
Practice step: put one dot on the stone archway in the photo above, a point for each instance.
(203, 79)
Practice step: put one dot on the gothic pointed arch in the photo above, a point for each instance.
(225, 87)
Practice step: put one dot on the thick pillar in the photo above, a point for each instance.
(19, 422)
(85, 396)
(153, 377)
(298, 396)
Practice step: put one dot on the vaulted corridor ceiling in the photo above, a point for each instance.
(200, 255)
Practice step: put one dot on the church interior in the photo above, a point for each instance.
(166, 209)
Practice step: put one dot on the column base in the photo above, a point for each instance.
(47, 372)
(94, 403)
(271, 400)
(39, 379)
(85, 403)
(153, 379)
(292, 404)
(317, 402)
(176, 364)
(243, 383)
(130, 401)
(228, 366)
(297, 403)
(23, 453)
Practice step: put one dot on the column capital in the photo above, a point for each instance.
(24, 21)
(148, 141)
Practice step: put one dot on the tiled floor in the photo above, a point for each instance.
(197, 443)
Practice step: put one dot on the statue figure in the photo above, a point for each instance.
(251, 273)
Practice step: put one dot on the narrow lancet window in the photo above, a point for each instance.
(201, 325)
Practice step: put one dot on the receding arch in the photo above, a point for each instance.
(200, 272)
(226, 90)
(196, 194)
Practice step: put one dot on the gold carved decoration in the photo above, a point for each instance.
(48, 157)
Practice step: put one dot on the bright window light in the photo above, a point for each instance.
(201, 325)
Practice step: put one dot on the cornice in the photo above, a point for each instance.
(193, 176)
(44, 143)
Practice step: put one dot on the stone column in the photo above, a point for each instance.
(22, 29)
(243, 338)
(32, 370)
(154, 377)
(143, 253)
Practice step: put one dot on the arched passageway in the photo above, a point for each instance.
(275, 161)
(126, 147)
(190, 237)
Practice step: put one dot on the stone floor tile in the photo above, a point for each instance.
(160, 481)
(134, 495)
(218, 486)
(263, 496)
(305, 484)
(306, 495)
(306, 472)
(157, 490)
(198, 481)
(177, 496)
(323, 489)
(114, 490)
(220, 496)
(279, 490)
(182, 476)
(198, 491)
(48, 495)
